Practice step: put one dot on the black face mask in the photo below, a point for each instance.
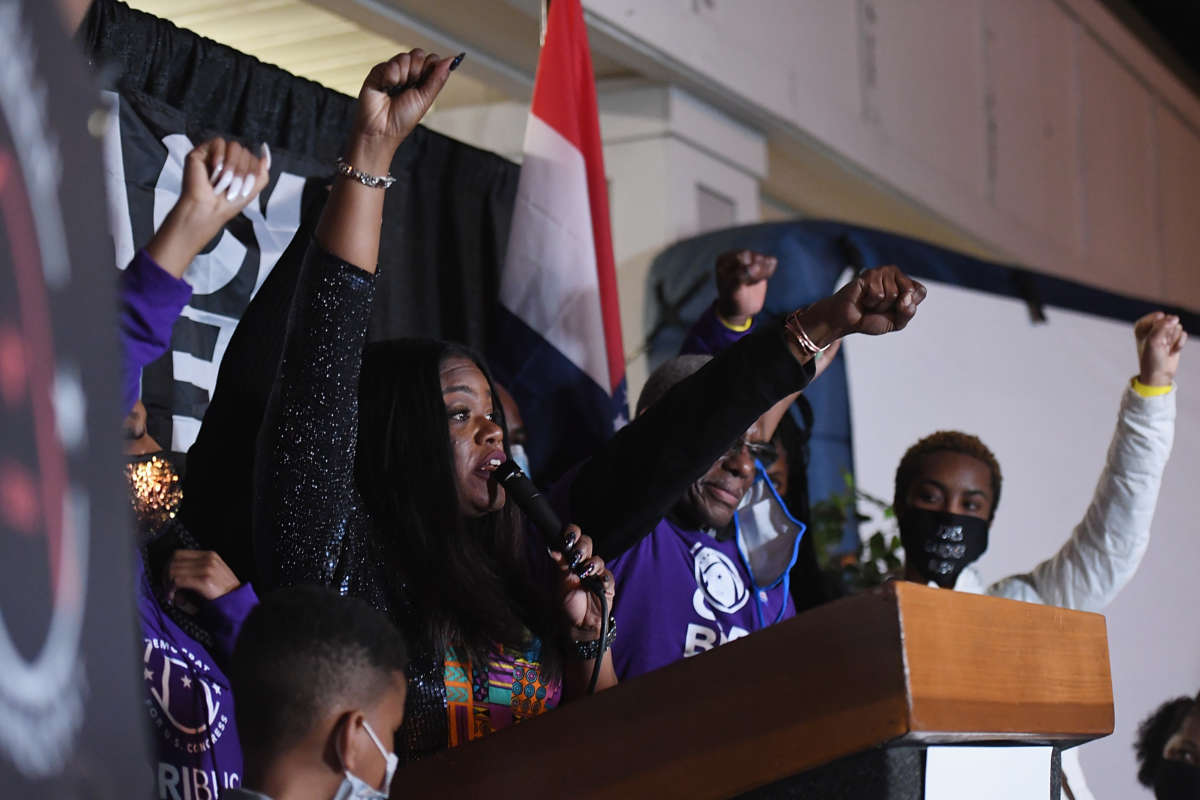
(938, 545)
(1176, 780)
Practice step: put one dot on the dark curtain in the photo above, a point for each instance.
(445, 231)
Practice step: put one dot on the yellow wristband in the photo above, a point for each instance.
(745, 326)
(1150, 391)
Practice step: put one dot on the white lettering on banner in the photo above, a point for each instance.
(211, 272)
(699, 638)
(276, 229)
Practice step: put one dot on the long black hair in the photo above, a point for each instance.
(472, 581)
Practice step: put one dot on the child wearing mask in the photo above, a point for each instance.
(321, 687)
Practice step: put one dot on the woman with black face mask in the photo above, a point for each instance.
(948, 488)
(1168, 750)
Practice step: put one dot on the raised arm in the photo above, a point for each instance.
(742, 277)
(304, 479)
(1106, 547)
(619, 495)
(152, 290)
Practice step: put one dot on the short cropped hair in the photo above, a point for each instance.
(666, 376)
(302, 652)
(1153, 733)
(942, 442)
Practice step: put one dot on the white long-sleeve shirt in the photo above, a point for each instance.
(1107, 546)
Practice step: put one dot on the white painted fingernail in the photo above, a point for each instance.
(234, 188)
(223, 184)
(248, 186)
(266, 152)
(217, 172)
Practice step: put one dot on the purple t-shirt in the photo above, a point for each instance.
(682, 592)
(187, 696)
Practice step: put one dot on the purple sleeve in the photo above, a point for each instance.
(710, 336)
(224, 616)
(151, 301)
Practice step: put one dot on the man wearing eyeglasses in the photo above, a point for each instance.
(695, 582)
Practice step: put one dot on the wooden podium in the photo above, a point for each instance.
(901, 666)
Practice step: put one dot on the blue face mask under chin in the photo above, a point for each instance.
(768, 537)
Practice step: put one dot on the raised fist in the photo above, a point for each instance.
(395, 96)
(220, 179)
(1160, 339)
(878, 301)
(742, 277)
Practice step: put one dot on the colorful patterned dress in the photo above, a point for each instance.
(513, 689)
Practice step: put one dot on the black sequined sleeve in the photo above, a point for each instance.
(306, 504)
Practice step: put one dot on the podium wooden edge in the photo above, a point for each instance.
(1055, 676)
(723, 722)
(902, 665)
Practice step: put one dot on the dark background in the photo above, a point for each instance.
(107, 756)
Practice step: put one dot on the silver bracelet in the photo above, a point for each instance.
(796, 329)
(374, 181)
(587, 651)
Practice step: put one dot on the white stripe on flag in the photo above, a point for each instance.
(550, 269)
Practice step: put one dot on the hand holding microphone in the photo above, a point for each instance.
(588, 586)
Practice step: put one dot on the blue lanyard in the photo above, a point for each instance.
(785, 578)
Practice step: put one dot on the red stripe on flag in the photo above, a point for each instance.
(564, 97)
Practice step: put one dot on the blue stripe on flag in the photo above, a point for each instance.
(567, 415)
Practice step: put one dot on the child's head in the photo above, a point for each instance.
(320, 687)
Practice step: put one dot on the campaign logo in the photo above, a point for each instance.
(718, 584)
(190, 711)
(44, 513)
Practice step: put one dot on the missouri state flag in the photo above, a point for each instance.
(558, 348)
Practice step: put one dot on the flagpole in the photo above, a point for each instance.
(545, 20)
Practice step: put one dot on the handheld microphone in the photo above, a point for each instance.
(537, 508)
(531, 500)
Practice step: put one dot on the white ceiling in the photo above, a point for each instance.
(303, 39)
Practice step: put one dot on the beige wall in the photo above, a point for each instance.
(1040, 131)
(1036, 131)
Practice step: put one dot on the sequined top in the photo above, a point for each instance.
(311, 525)
(309, 522)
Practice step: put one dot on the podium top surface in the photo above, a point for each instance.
(901, 664)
